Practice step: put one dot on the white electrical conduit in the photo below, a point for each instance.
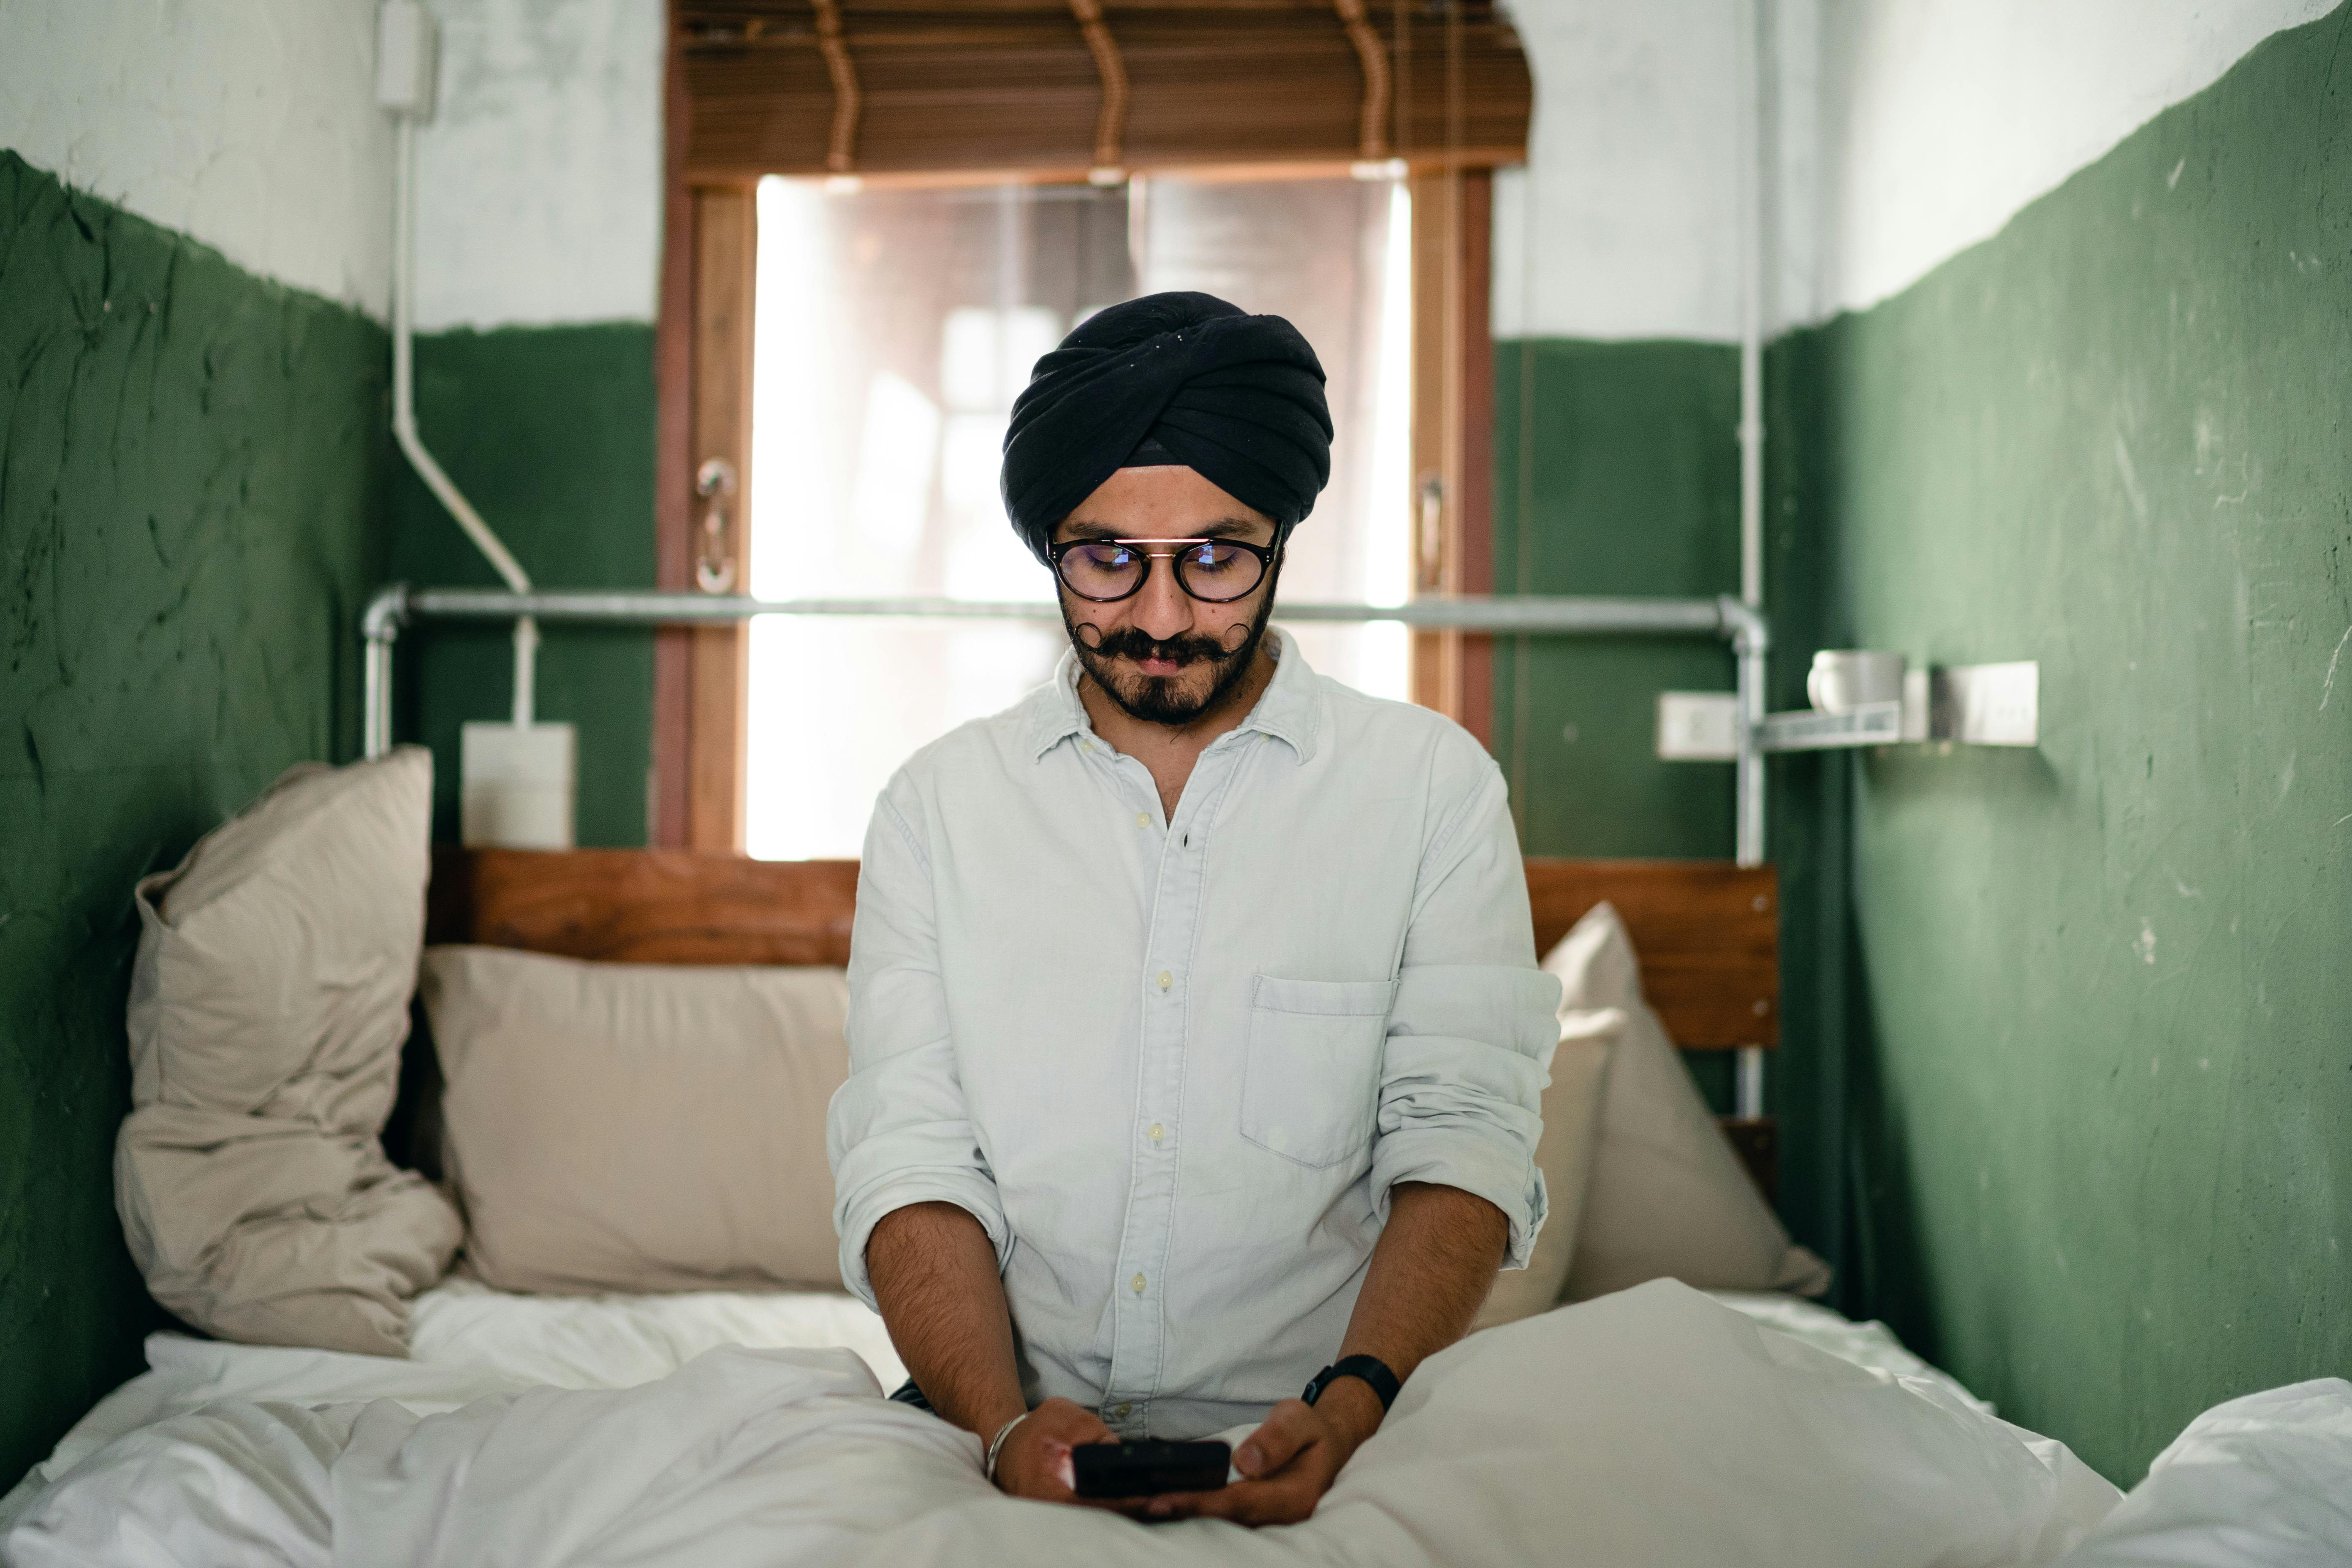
(403, 417)
(1749, 1082)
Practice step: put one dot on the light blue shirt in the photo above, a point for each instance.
(1174, 1068)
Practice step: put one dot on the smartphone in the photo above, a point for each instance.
(1143, 1470)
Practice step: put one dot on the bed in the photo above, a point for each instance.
(1657, 1424)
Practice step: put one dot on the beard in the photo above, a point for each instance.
(1169, 698)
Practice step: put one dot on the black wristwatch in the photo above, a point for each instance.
(1369, 1369)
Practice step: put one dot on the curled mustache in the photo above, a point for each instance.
(1129, 642)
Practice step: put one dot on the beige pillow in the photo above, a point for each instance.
(268, 1006)
(1669, 1197)
(1571, 1116)
(638, 1127)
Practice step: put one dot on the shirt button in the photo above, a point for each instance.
(1123, 1411)
(1143, 819)
(1157, 1132)
(1136, 1284)
(1166, 980)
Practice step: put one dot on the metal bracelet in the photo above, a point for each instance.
(996, 1445)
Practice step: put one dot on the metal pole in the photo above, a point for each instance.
(1540, 613)
(1750, 645)
(1561, 615)
(380, 625)
(1751, 641)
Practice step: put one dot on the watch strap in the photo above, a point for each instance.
(1370, 1370)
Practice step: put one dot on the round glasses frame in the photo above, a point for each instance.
(1176, 552)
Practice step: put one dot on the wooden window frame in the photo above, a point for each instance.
(1454, 434)
(704, 370)
(703, 346)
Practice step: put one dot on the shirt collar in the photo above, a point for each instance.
(1288, 710)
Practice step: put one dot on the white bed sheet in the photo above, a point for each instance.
(1653, 1427)
(470, 1342)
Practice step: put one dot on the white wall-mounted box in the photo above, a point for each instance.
(1698, 726)
(1986, 704)
(516, 785)
(406, 42)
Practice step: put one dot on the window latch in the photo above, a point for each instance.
(714, 565)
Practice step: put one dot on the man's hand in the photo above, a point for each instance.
(1288, 1463)
(1432, 1267)
(1035, 1459)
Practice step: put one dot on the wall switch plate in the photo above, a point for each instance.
(1987, 704)
(1698, 726)
(406, 44)
(516, 785)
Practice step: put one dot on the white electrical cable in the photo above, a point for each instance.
(403, 417)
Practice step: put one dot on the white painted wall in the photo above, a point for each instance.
(539, 178)
(248, 124)
(1620, 224)
(1897, 132)
(251, 125)
(1939, 119)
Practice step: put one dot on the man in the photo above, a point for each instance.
(1196, 1037)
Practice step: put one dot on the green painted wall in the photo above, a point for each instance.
(550, 433)
(188, 462)
(1617, 471)
(2100, 1026)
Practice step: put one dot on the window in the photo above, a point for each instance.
(893, 328)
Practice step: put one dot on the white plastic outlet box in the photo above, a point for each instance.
(516, 785)
(406, 44)
(1698, 726)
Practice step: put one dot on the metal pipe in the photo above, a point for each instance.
(1751, 307)
(1536, 613)
(1569, 616)
(1751, 642)
(380, 624)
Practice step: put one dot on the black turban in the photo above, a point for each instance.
(1170, 379)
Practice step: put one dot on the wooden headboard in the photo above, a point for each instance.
(1708, 932)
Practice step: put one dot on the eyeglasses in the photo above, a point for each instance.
(1213, 571)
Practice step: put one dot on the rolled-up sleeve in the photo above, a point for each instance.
(1471, 1037)
(899, 1131)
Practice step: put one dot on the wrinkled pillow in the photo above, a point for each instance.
(638, 1127)
(1669, 1197)
(1571, 1118)
(269, 1003)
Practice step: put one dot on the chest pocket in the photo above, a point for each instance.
(1311, 1090)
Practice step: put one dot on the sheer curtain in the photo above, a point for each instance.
(893, 329)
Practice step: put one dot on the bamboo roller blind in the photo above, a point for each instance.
(1047, 88)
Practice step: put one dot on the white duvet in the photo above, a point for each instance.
(1653, 1427)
